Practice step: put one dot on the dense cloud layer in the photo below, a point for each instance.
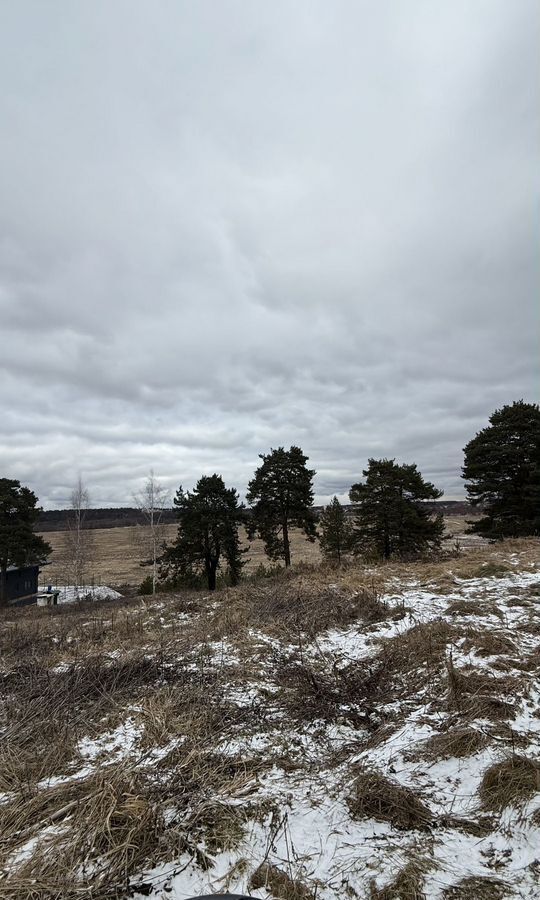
(227, 226)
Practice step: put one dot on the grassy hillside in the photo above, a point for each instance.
(356, 733)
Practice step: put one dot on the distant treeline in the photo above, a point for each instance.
(58, 519)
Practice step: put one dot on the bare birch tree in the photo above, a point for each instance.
(78, 552)
(152, 500)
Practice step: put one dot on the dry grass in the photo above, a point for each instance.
(115, 828)
(407, 885)
(280, 885)
(376, 797)
(511, 782)
(457, 742)
(478, 888)
(463, 607)
(116, 554)
(296, 602)
(96, 833)
(478, 694)
(488, 642)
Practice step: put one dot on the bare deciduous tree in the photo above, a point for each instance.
(151, 501)
(78, 542)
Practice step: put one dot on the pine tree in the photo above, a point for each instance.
(209, 517)
(336, 531)
(392, 517)
(281, 492)
(502, 471)
(19, 545)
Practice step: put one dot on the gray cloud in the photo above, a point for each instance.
(231, 226)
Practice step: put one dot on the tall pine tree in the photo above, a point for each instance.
(19, 545)
(392, 517)
(209, 517)
(502, 471)
(281, 492)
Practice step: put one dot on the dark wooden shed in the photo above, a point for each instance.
(22, 584)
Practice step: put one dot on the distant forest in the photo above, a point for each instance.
(58, 519)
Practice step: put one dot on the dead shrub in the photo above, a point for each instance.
(376, 797)
(478, 888)
(407, 885)
(511, 782)
(414, 659)
(330, 694)
(279, 884)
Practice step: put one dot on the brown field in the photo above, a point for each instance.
(116, 552)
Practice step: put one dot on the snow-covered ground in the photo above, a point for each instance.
(295, 748)
(68, 593)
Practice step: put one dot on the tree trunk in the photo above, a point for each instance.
(211, 568)
(286, 545)
(3, 586)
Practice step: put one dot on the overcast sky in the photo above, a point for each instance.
(230, 225)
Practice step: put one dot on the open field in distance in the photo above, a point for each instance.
(116, 552)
